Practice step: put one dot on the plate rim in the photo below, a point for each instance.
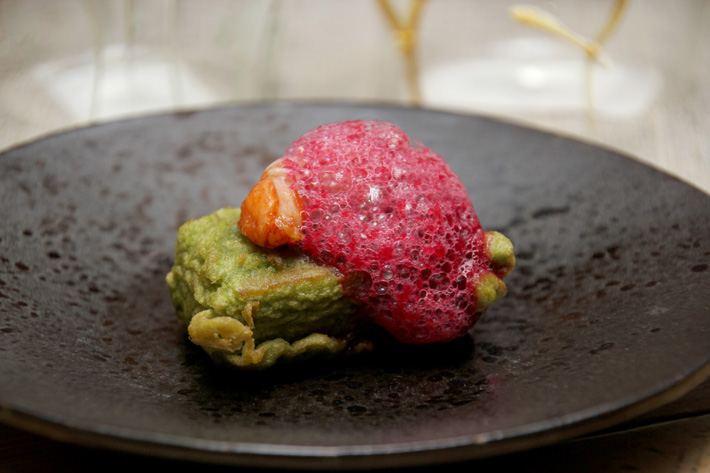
(402, 454)
(186, 112)
(409, 453)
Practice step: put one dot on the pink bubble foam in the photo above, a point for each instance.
(395, 221)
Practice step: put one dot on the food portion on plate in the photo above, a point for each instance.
(356, 225)
(250, 307)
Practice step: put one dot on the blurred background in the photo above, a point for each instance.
(632, 75)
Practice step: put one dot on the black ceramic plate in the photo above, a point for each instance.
(607, 316)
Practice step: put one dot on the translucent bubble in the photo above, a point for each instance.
(461, 282)
(381, 288)
(360, 172)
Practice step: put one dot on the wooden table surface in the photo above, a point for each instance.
(105, 60)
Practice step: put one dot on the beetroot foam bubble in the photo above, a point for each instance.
(396, 222)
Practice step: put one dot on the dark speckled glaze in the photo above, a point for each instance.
(608, 308)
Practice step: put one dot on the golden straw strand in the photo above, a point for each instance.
(617, 12)
(406, 37)
(540, 19)
(612, 22)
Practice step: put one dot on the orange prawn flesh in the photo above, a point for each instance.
(271, 212)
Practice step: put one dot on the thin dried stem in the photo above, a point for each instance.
(405, 34)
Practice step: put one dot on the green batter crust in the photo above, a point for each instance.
(250, 307)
